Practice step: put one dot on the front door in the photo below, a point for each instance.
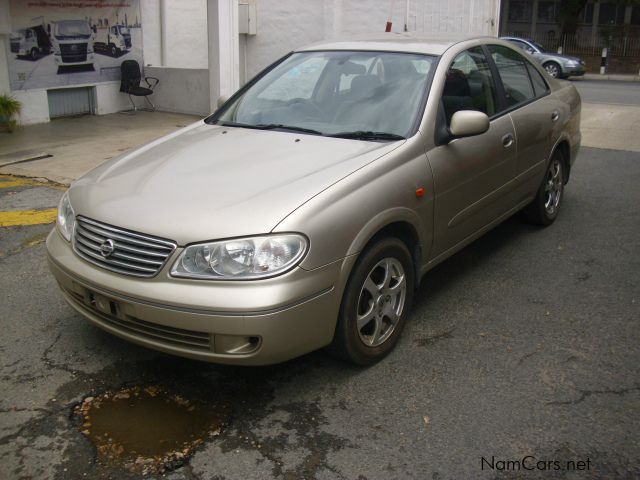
(470, 174)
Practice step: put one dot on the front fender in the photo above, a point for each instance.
(342, 219)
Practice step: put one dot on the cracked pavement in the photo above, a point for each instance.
(524, 343)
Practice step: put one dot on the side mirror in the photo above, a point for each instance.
(467, 123)
(222, 100)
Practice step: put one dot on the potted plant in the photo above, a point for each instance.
(9, 107)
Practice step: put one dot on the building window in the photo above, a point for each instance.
(635, 15)
(520, 11)
(611, 14)
(587, 14)
(547, 12)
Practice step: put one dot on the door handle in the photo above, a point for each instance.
(555, 116)
(507, 140)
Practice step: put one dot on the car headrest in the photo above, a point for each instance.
(365, 83)
(456, 84)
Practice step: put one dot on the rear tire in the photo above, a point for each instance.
(544, 208)
(375, 304)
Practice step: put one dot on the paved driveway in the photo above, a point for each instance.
(523, 344)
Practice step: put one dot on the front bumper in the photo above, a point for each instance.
(574, 71)
(61, 63)
(285, 316)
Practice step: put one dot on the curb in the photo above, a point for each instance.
(612, 77)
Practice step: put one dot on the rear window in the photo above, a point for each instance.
(514, 74)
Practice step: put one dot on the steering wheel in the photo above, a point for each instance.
(304, 104)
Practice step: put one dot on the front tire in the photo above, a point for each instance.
(375, 304)
(553, 69)
(34, 53)
(544, 208)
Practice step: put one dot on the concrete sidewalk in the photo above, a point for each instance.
(65, 149)
(610, 126)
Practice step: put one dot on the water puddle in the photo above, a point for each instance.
(148, 430)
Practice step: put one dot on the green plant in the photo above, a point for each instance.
(9, 107)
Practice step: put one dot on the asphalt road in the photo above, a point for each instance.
(611, 92)
(523, 344)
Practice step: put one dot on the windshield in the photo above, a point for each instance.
(72, 28)
(341, 93)
(124, 30)
(539, 47)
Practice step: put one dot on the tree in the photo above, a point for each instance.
(569, 14)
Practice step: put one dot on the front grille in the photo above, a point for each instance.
(127, 42)
(74, 58)
(190, 339)
(120, 250)
(15, 47)
(73, 52)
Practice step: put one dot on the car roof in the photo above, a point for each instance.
(394, 42)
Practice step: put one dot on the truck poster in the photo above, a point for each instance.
(58, 43)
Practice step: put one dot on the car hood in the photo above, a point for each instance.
(207, 182)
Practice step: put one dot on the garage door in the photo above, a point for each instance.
(64, 102)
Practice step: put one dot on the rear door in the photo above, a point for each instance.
(470, 174)
(534, 111)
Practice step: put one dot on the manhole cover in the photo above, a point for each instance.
(148, 430)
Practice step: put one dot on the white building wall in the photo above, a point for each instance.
(284, 25)
(181, 90)
(149, 11)
(186, 33)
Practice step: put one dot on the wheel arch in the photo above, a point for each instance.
(562, 145)
(400, 224)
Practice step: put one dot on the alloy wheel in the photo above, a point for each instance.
(553, 187)
(552, 69)
(381, 302)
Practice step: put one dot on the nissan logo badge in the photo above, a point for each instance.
(107, 248)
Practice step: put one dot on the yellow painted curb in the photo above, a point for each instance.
(9, 181)
(28, 217)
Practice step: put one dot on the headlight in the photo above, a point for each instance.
(66, 217)
(572, 63)
(241, 258)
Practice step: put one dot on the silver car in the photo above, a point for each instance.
(304, 212)
(556, 65)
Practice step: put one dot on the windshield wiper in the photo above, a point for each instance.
(270, 126)
(368, 135)
(292, 128)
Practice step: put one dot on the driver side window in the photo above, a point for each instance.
(469, 85)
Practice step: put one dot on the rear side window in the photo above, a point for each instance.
(469, 85)
(539, 85)
(512, 68)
